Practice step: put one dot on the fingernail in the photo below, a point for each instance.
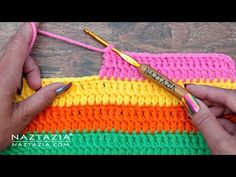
(19, 90)
(185, 85)
(191, 104)
(63, 89)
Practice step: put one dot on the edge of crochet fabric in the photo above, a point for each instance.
(119, 112)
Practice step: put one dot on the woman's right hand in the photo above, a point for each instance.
(219, 133)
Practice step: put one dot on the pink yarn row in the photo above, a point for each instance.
(173, 65)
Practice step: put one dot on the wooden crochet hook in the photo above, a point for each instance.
(153, 75)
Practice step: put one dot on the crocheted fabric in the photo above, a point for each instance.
(120, 112)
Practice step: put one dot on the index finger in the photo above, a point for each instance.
(226, 97)
(17, 50)
(214, 134)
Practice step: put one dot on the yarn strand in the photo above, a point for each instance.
(62, 38)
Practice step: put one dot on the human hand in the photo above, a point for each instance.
(219, 133)
(15, 60)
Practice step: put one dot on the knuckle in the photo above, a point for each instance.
(18, 37)
(230, 100)
(24, 113)
(35, 68)
(204, 119)
(230, 93)
(31, 69)
(46, 99)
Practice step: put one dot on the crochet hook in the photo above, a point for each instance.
(153, 75)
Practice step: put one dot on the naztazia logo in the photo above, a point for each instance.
(35, 140)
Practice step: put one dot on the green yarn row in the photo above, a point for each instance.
(109, 143)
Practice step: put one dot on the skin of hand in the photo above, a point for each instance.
(15, 61)
(219, 133)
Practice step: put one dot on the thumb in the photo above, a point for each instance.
(211, 129)
(35, 104)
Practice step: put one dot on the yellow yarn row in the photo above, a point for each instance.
(93, 90)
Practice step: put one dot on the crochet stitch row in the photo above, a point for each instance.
(91, 143)
(107, 117)
(120, 112)
(175, 66)
(93, 90)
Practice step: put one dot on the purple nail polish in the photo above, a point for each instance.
(63, 89)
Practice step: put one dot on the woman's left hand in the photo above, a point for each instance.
(15, 60)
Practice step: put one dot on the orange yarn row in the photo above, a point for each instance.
(124, 118)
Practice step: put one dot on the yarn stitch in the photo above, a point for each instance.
(120, 112)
